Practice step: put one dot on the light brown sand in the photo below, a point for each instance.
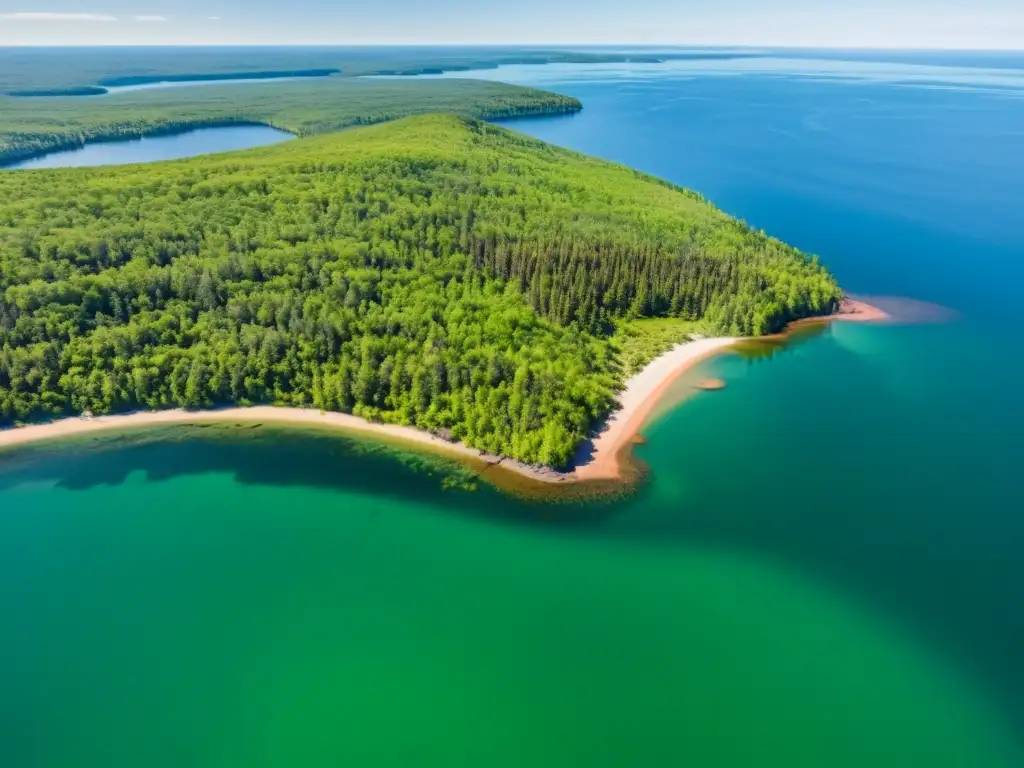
(853, 311)
(637, 400)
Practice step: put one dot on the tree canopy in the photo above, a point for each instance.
(32, 126)
(435, 271)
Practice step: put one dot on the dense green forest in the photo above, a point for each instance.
(434, 271)
(33, 126)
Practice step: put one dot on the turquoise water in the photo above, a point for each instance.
(823, 567)
(201, 141)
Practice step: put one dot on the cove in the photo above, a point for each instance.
(151, 149)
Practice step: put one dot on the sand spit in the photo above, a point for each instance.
(854, 311)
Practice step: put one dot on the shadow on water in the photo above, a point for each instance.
(258, 454)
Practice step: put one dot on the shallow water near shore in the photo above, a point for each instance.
(822, 566)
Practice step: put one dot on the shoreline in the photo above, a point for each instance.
(603, 457)
(637, 398)
(637, 401)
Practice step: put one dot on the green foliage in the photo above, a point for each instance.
(643, 339)
(33, 126)
(434, 271)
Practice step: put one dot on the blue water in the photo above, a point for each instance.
(201, 141)
(906, 178)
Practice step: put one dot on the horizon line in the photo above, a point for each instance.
(545, 46)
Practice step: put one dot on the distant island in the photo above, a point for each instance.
(436, 272)
(303, 108)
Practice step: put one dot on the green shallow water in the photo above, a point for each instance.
(257, 597)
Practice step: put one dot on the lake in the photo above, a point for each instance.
(151, 149)
(823, 567)
(161, 85)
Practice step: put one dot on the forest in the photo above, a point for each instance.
(436, 271)
(32, 126)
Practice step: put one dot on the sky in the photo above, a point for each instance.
(962, 24)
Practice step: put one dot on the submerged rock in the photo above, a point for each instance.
(710, 384)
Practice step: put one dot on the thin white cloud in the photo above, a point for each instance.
(150, 17)
(46, 16)
(213, 18)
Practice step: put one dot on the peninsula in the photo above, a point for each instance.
(601, 458)
(435, 272)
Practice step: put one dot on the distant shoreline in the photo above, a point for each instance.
(186, 79)
(606, 454)
(144, 82)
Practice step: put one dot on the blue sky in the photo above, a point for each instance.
(851, 23)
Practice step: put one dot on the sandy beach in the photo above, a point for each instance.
(636, 400)
(603, 456)
(80, 425)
